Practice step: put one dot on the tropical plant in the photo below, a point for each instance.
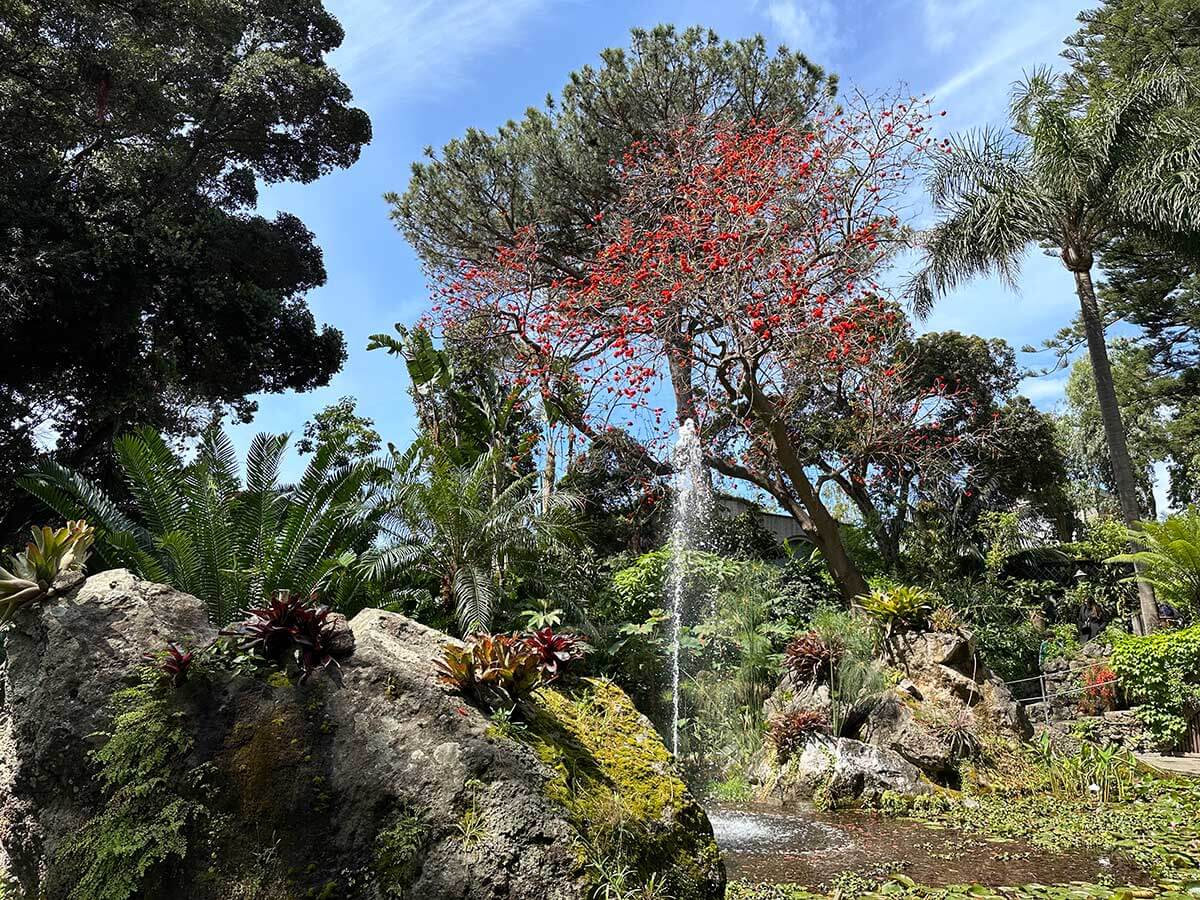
(790, 731)
(498, 670)
(1075, 172)
(1161, 673)
(557, 653)
(898, 607)
(809, 658)
(288, 629)
(174, 661)
(1169, 559)
(450, 525)
(51, 553)
(857, 679)
(198, 527)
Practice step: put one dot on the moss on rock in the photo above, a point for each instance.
(615, 778)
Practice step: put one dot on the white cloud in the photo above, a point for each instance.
(944, 19)
(1044, 390)
(422, 47)
(809, 26)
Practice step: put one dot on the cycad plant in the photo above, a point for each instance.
(448, 525)
(1169, 558)
(1071, 175)
(198, 527)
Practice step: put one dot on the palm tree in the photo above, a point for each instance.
(448, 524)
(198, 528)
(1069, 177)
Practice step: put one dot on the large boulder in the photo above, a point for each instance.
(840, 772)
(946, 706)
(378, 783)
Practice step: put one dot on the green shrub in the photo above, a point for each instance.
(1161, 672)
(1062, 642)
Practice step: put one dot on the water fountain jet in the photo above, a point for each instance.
(692, 504)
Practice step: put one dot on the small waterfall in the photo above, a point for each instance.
(692, 504)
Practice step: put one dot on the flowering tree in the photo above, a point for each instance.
(737, 275)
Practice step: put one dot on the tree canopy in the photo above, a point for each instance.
(135, 137)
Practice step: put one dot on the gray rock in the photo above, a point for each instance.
(847, 771)
(308, 784)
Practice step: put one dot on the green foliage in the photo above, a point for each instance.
(1061, 642)
(455, 527)
(200, 528)
(150, 821)
(136, 139)
(1161, 672)
(353, 436)
(1170, 558)
(858, 678)
(399, 846)
(899, 606)
(53, 552)
(1104, 774)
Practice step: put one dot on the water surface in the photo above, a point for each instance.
(767, 843)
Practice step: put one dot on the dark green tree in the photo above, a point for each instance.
(136, 283)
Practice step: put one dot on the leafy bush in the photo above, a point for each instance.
(945, 618)
(288, 629)
(1160, 671)
(858, 677)
(790, 731)
(1170, 558)
(497, 669)
(809, 658)
(1062, 642)
(51, 553)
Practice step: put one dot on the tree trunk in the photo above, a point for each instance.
(549, 471)
(1114, 429)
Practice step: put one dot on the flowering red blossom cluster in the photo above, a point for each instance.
(738, 274)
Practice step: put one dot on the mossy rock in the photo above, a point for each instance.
(614, 776)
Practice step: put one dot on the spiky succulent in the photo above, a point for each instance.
(790, 731)
(556, 653)
(809, 657)
(51, 553)
(288, 629)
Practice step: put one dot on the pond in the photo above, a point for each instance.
(800, 845)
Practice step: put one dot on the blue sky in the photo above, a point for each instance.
(426, 70)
